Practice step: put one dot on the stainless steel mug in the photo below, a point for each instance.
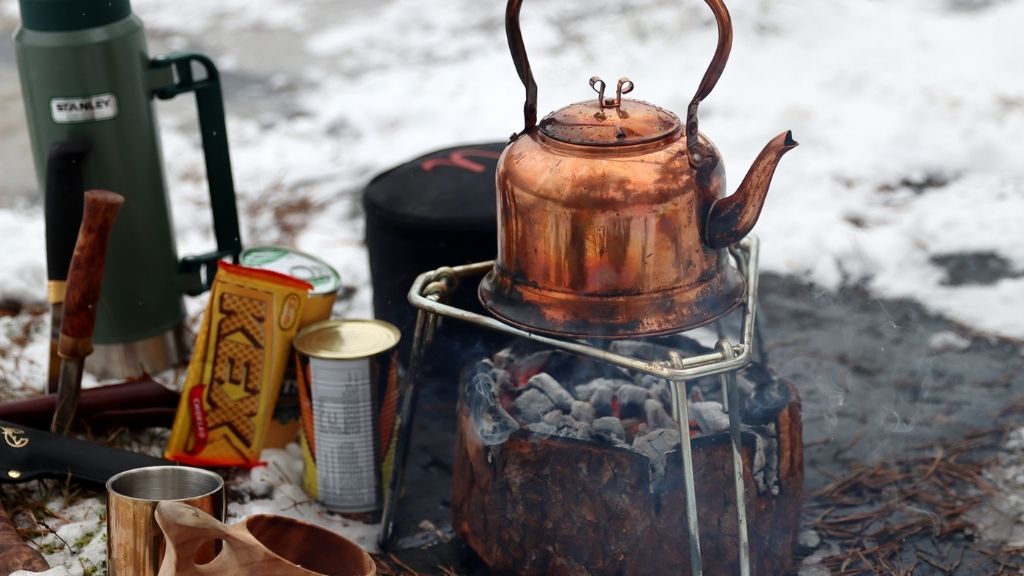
(135, 544)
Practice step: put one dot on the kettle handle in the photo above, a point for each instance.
(707, 84)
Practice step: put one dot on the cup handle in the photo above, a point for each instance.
(185, 529)
(210, 106)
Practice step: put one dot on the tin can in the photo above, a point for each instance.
(348, 394)
(284, 428)
(325, 280)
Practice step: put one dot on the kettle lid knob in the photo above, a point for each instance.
(625, 87)
(607, 121)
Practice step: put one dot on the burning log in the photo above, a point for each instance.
(596, 488)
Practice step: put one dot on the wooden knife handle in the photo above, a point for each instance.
(85, 276)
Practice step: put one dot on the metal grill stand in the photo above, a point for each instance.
(429, 293)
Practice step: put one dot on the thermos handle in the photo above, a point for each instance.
(711, 76)
(210, 105)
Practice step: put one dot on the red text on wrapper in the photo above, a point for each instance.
(199, 428)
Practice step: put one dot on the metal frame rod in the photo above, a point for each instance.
(402, 433)
(680, 408)
(428, 293)
(731, 402)
(746, 255)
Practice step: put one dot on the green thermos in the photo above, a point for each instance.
(88, 85)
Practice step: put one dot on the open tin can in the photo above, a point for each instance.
(348, 393)
(284, 427)
(325, 280)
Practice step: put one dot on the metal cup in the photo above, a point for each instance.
(135, 544)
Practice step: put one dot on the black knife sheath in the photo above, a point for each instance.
(28, 454)
(62, 204)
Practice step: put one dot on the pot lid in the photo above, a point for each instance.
(610, 121)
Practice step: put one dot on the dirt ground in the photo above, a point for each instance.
(881, 382)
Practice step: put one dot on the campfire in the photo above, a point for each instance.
(565, 462)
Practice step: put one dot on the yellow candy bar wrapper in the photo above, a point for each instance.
(234, 377)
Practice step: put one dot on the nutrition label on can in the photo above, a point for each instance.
(343, 425)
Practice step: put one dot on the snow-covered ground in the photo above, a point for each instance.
(910, 115)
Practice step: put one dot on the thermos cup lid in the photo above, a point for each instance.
(67, 15)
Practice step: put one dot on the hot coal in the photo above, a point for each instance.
(532, 405)
(542, 429)
(656, 416)
(609, 429)
(567, 426)
(660, 388)
(555, 394)
(585, 391)
(657, 445)
(710, 416)
(601, 400)
(500, 377)
(522, 368)
(609, 406)
(631, 400)
(600, 448)
(583, 411)
(548, 385)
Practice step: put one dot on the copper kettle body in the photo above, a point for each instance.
(612, 215)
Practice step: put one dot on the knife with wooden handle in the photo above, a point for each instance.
(85, 278)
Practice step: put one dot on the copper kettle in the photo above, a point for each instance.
(612, 218)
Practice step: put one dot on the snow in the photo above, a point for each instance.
(79, 543)
(79, 540)
(946, 341)
(909, 114)
(276, 489)
(881, 95)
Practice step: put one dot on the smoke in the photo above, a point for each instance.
(823, 383)
(490, 420)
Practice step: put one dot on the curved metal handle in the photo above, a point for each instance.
(711, 76)
(210, 106)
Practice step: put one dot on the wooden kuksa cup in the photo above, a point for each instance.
(260, 545)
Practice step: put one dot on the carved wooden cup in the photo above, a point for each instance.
(260, 545)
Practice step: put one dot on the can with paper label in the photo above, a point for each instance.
(348, 394)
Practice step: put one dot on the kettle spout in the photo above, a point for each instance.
(731, 218)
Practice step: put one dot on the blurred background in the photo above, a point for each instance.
(909, 114)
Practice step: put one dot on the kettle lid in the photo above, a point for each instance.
(610, 121)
